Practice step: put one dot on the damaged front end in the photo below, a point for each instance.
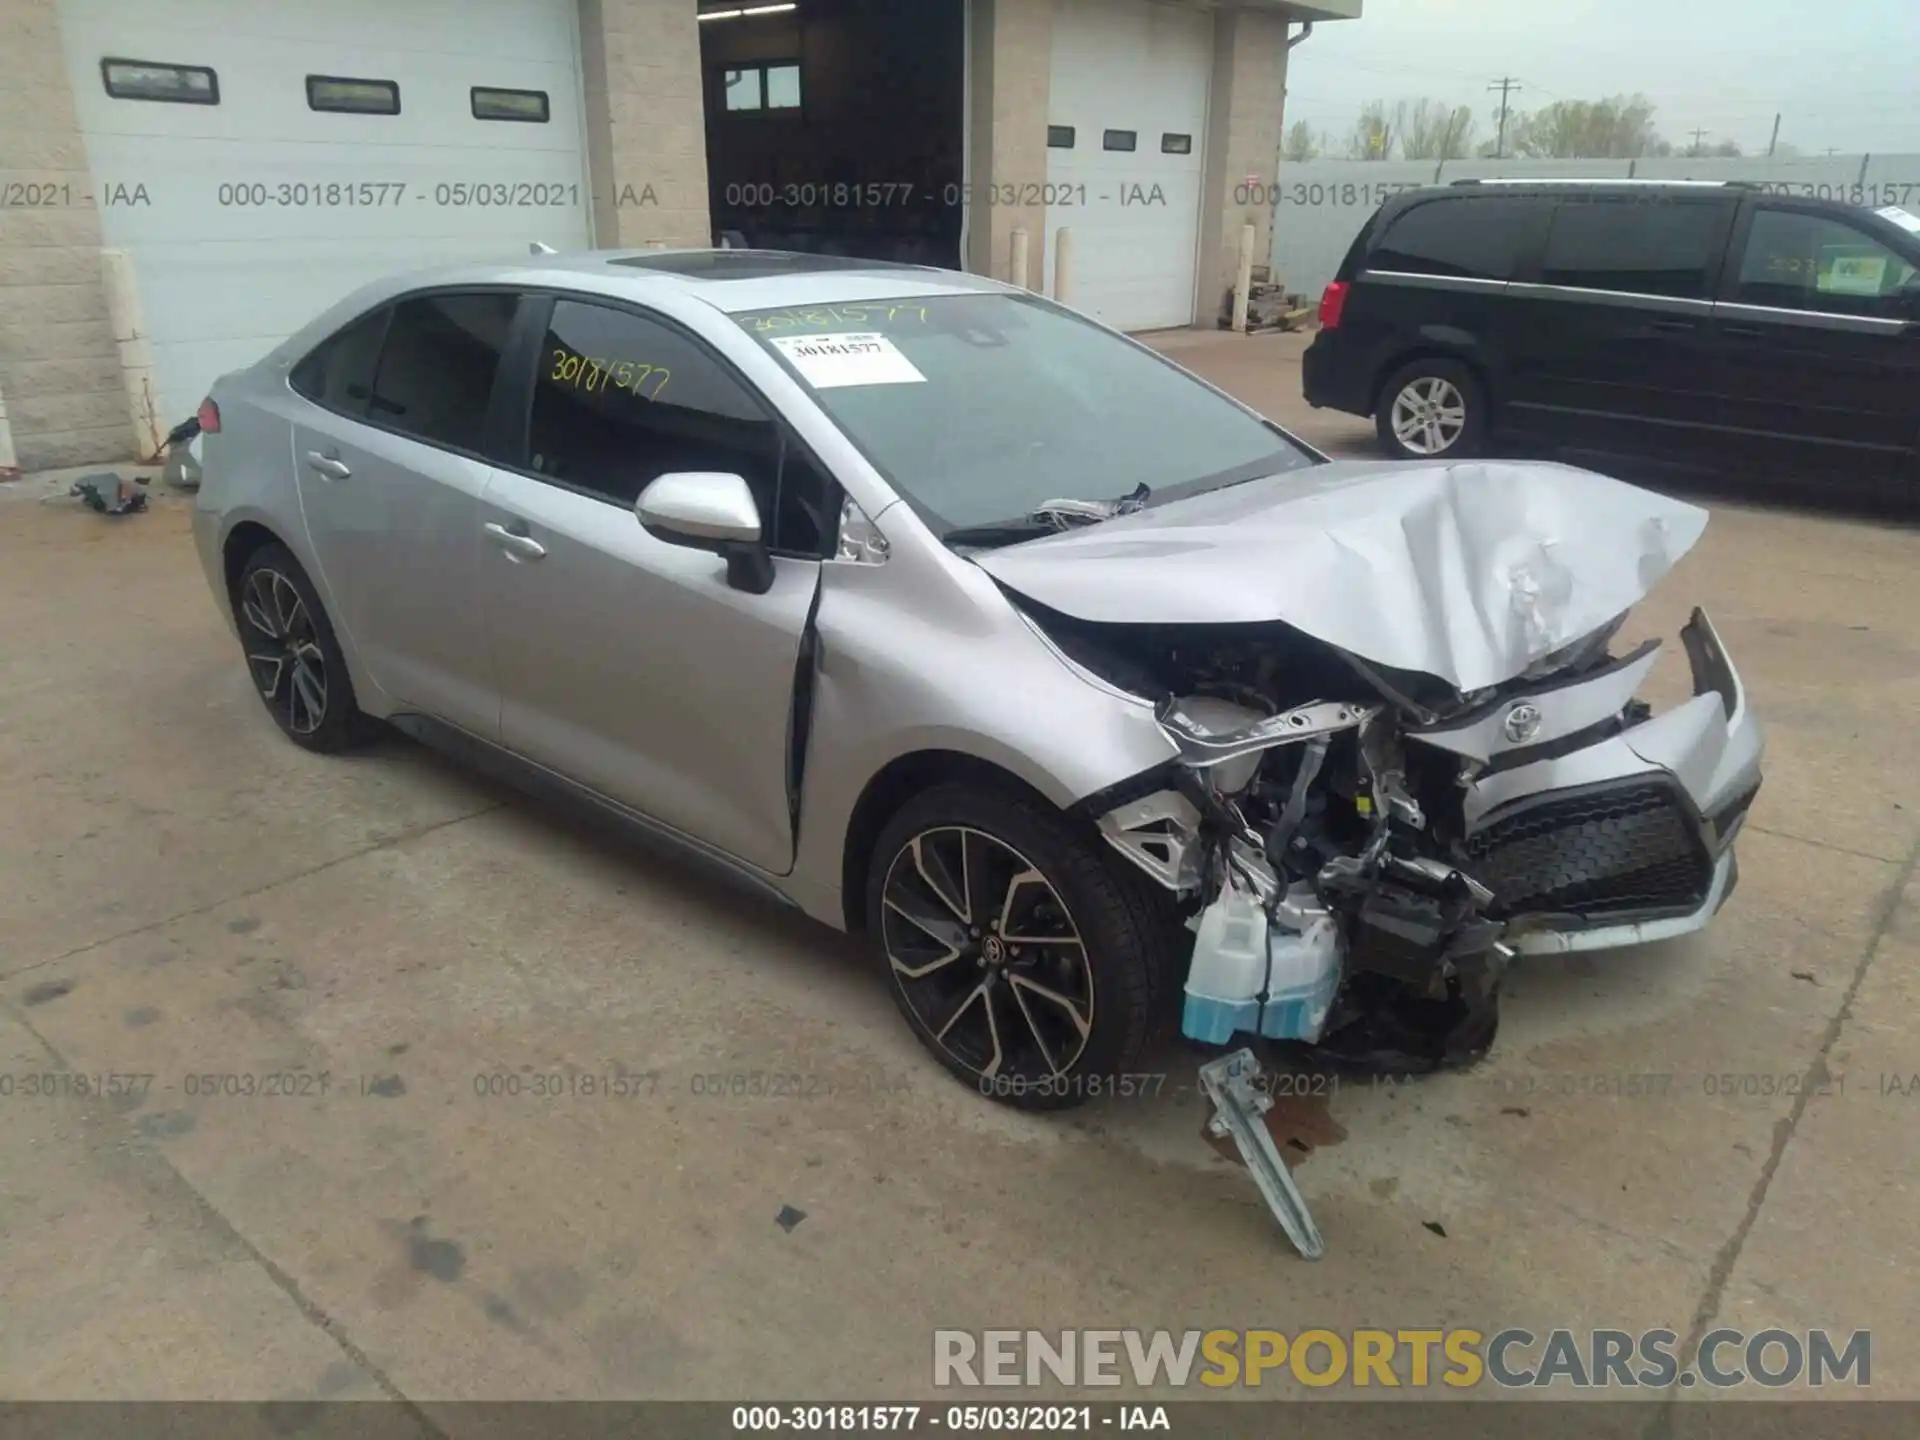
(1362, 853)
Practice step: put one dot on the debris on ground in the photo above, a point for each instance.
(182, 465)
(1269, 305)
(1436, 1227)
(789, 1217)
(1244, 1117)
(111, 494)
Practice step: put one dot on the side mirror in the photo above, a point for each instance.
(706, 510)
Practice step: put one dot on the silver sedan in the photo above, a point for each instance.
(1099, 702)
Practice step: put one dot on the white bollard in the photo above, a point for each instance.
(1017, 260)
(9, 461)
(136, 355)
(1243, 282)
(1063, 265)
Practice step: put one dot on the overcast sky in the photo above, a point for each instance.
(1845, 73)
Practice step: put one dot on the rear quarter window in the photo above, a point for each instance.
(1470, 237)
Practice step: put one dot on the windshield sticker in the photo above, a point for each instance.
(1855, 274)
(829, 362)
(828, 315)
(1905, 219)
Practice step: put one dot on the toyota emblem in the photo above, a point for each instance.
(1523, 722)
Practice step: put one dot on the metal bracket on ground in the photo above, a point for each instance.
(1239, 1102)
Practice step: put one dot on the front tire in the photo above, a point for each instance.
(292, 654)
(1432, 409)
(1029, 965)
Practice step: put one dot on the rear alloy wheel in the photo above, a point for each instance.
(292, 655)
(1022, 959)
(1432, 410)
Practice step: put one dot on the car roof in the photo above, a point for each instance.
(731, 281)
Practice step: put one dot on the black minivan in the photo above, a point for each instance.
(1709, 325)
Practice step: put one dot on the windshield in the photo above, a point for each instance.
(983, 408)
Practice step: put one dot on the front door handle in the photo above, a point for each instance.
(327, 465)
(517, 546)
(1744, 332)
(1677, 326)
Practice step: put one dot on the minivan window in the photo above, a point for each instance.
(437, 367)
(338, 372)
(1634, 246)
(1472, 237)
(1797, 261)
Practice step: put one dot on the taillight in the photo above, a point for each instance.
(209, 417)
(1332, 304)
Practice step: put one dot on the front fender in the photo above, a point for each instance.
(909, 664)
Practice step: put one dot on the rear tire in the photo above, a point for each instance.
(1432, 409)
(1030, 966)
(293, 657)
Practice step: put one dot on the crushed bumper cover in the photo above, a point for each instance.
(1626, 840)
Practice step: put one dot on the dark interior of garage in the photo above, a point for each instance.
(835, 126)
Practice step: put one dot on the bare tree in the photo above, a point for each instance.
(1373, 135)
(1300, 144)
(1434, 130)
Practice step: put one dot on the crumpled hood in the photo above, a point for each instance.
(1470, 572)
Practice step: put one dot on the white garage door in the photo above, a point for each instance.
(1128, 111)
(247, 216)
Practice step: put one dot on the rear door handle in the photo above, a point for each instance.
(1679, 327)
(517, 546)
(1744, 332)
(327, 465)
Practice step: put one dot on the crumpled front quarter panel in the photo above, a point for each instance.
(1468, 572)
(925, 653)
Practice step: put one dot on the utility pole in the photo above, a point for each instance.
(1506, 85)
(1699, 143)
(1774, 143)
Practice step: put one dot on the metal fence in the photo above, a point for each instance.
(1320, 205)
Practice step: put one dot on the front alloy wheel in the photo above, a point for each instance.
(987, 957)
(283, 651)
(1028, 961)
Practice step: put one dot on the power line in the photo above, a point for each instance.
(1506, 85)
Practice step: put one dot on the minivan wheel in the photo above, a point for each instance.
(292, 655)
(1432, 410)
(1029, 965)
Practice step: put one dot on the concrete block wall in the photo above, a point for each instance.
(1245, 123)
(1012, 79)
(59, 369)
(646, 127)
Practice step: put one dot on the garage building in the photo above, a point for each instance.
(211, 173)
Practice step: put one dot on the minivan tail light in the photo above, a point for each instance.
(209, 417)
(1332, 304)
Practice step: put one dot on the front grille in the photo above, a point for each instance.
(1604, 851)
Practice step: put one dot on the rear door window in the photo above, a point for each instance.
(1636, 245)
(1799, 261)
(1472, 237)
(438, 365)
(338, 373)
